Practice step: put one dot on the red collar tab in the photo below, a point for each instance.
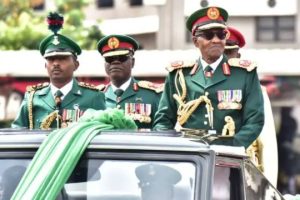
(135, 87)
(226, 69)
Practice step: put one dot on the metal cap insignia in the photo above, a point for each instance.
(213, 13)
(55, 40)
(113, 43)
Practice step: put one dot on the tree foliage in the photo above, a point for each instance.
(22, 28)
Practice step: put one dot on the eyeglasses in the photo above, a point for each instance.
(209, 35)
(120, 58)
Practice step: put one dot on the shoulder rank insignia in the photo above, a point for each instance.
(245, 64)
(88, 85)
(39, 86)
(179, 65)
(101, 87)
(158, 88)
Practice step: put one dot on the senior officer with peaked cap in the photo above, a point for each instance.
(139, 99)
(63, 100)
(266, 143)
(202, 94)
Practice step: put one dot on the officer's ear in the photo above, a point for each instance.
(133, 61)
(76, 63)
(195, 40)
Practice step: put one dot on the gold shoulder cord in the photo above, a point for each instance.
(181, 83)
(185, 110)
(30, 112)
(47, 121)
(255, 152)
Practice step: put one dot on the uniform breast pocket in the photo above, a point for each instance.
(229, 99)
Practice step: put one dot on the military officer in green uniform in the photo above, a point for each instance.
(63, 100)
(139, 99)
(212, 93)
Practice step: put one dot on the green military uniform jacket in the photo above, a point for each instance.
(82, 96)
(140, 100)
(236, 94)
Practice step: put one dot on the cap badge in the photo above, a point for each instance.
(113, 43)
(55, 40)
(213, 13)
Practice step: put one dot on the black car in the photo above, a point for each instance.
(142, 166)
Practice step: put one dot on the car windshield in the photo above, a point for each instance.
(134, 180)
(114, 179)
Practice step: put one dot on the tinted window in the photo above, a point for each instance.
(275, 29)
(257, 186)
(132, 180)
(105, 3)
(227, 184)
(11, 172)
(136, 2)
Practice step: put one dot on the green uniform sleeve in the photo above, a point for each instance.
(22, 120)
(166, 116)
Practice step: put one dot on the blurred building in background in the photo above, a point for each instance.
(160, 24)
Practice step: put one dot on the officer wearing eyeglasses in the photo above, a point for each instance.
(139, 99)
(201, 94)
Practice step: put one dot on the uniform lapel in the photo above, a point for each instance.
(109, 94)
(72, 95)
(129, 91)
(46, 96)
(198, 78)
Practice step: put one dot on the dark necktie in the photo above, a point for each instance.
(119, 92)
(57, 97)
(208, 71)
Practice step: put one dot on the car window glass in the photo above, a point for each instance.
(227, 183)
(257, 186)
(11, 172)
(132, 180)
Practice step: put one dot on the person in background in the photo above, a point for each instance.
(139, 99)
(157, 181)
(235, 40)
(10, 101)
(263, 150)
(63, 100)
(201, 94)
(287, 182)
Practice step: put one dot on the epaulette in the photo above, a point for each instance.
(39, 86)
(180, 64)
(101, 87)
(245, 64)
(157, 87)
(88, 85)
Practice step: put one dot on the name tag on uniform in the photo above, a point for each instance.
(229, 99)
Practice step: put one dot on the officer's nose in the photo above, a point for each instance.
(56, 62)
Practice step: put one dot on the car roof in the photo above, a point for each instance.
(122, 139)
